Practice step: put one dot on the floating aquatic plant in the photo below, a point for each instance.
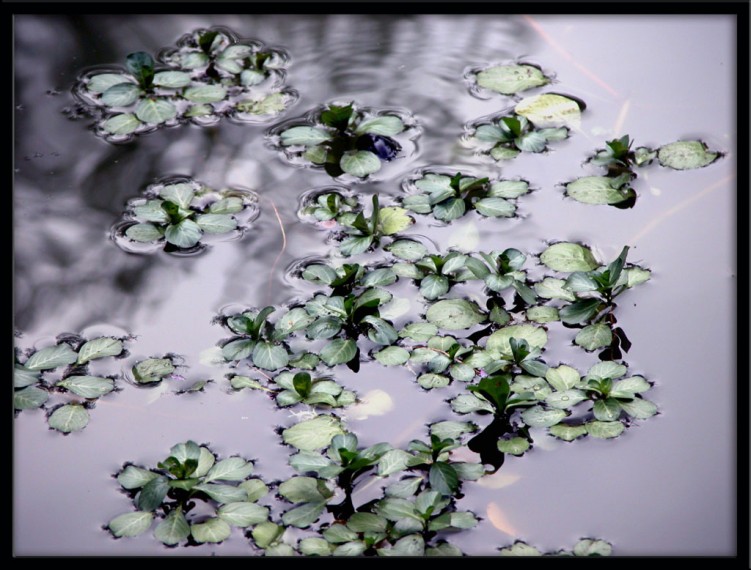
(52, 373)
(169, 492)
(534, 123)
(180, 214)
(507, 79)
(346, 139)
(448, 197)
(209, 75)
(614, 189)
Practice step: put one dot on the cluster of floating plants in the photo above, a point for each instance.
(614, 189)
(60, 373)
(346, 139)
(480, 337)
(210, 74)
(179, 214)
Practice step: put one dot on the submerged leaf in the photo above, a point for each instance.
(455, 314)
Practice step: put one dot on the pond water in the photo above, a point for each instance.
(666, 487)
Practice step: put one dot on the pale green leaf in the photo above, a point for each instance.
(69, 418)
(131, 524)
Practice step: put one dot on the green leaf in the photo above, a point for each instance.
(100, 83)
(594, 336)
(68, 418)
(684, 155)
(130, 524)
(385, 125)
(243, 514)
(205, 93)
(338, 351)
(565, 399)
(304, 489)
(567, 432)
(454, 314)
(222, 493)
(143, 233)
(141, 65)
(514, 446)
(604, 430)
(355, 245)
(563, 377)
(51, 357)
(630, 386)
(89, 387)
(568, 257)
(419, 331)
(155, 111)
(172, 79)
(152, 493)
(581, 282)
(181, 194)
(537, 416)
(434, 286)
(392, 356)
(184, 234)
(23, 377)
(132, 477)
(580, 311)
(607, 410)
(495, 208)
(551, 288)
(510, 79)
(636, 276)
(430, 381)
(550, 110)
(230, 469)
(542, 314)
(589, 547)
(238, 350)
(443, 478)
(255, 488)
(121, 95)
(531, 142)
(596, 190)
(412, 545)
(99, 348)
(500, 152)
(230, 205)
(449, 210)
(315, 547)
(360, 163)
(29, 398)
(407, 249)
(499, 341)
(394, 220)
(214, 530)
(451, 429)
(377, 277)
(444, 549)
(270, 356)
(216, 223)
(307, 136)
(122, 124)
(639, 408)
(607, 369)
(304, 515)
(313, 434)
(468, 403)
(173, 529)
(355, 548)
(152, 370)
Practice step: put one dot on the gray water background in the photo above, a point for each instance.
(666, 487)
